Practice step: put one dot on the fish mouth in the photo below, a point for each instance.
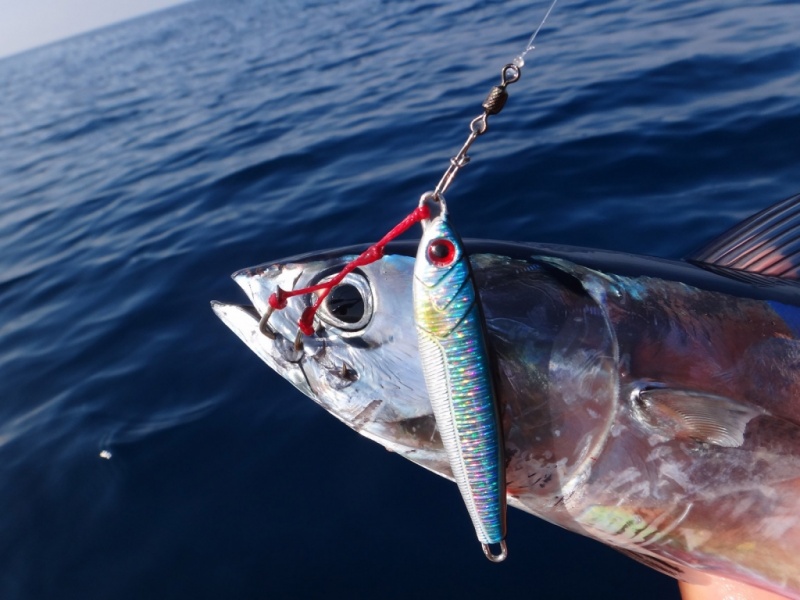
(278, 353)
(278, 350)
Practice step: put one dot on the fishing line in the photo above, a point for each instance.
(520, 60)
(451, 331)
(493, 104)
(453, 351)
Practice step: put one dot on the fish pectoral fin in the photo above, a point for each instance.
(700, 416)
(768, 243)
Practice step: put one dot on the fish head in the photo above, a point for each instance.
(551, 349)
(361, 364)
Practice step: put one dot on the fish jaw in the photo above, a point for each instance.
(243, 321)
(379, 394)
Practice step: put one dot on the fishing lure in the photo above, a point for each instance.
(458, 377)
(452, 346)
(453, 349)
(450, 328)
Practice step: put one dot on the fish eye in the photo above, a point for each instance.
(348, 306)
(345, 303)
(441, 252)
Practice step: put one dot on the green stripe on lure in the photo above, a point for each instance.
(458, 377)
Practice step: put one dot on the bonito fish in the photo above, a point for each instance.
(652, 405)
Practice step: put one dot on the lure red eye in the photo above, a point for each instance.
(441, 252)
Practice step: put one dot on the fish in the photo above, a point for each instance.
(650, 404)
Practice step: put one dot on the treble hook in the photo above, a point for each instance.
(263, 327)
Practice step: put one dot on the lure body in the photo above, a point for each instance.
(458, 377)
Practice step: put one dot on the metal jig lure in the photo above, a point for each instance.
(452, 342)
(458, 376)
(452, 346)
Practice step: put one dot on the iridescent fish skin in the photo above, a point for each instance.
(455, 364)
(652, 405)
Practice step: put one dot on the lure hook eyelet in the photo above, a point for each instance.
(435, 203)
(496, 558)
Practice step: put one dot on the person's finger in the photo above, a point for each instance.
(724, 589)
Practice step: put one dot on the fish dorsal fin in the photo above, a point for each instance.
(768, 243)
(699, 416)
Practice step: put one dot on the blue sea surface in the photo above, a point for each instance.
(145, 452)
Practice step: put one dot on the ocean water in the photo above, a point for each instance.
(144, 451)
